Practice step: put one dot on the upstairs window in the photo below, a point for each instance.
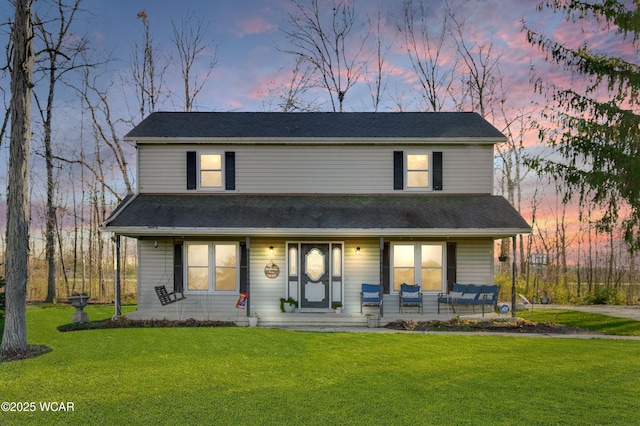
(210, 170)
(417, 171)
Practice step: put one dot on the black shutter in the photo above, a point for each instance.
(230, 170)
(451, 265)
(191, 170)
(386, 285)
(243, 267)
(178, 280)
(437, 171)
(398, 170)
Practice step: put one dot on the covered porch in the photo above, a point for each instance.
(272, 223)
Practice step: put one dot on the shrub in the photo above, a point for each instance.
(605, 296)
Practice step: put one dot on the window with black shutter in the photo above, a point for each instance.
(211, 170)
(417, 171)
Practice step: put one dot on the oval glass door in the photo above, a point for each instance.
(314, 264)
(314, 283)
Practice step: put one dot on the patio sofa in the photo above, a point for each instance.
(470, 294)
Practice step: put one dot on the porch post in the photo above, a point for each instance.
(116, 281)
(382, 276)
(248, 243)
(513, 279)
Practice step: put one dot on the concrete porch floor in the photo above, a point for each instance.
(320, 320)
(330, 319)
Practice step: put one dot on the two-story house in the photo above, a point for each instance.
(311, 205)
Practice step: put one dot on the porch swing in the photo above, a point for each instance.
(166, 297)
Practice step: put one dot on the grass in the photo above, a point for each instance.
(249, 376)
(596, 322)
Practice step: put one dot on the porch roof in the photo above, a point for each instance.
(315, 215)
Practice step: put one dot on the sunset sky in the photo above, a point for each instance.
(249, 32)
(251, 68)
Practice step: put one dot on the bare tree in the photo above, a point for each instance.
(481, 88)
(481, 76)
(189, 42)
(291, 96)
(377, 84)
(14, 338)
(516, 126)
(61, 54)
(108, 163)
(333, 48)
(7, 112)
(148, 76)
(427, 49)
(97, 104)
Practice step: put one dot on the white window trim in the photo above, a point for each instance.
(212, 268)
(417, 264)
(199, 169)
(429, 187)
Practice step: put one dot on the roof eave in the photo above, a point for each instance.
(495, 233)
(315, 140)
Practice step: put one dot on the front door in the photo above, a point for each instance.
(315, 276)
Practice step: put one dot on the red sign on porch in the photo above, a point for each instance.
(242, 300)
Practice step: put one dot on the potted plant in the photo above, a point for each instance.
(253, 320)
(288, 305)
(337, 307)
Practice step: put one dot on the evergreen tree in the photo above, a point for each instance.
(598, 117)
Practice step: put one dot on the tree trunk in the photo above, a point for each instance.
(14, 339)
(50, 217)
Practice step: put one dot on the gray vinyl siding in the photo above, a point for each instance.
(475, 261)
(359, 269)
(467, 170)
(155, 267)
(162, 169)
(315, 169)
(265, 293)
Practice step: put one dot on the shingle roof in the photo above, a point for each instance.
(246, 214)
(373, 125)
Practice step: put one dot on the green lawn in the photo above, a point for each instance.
(241, 375)
(596, 322)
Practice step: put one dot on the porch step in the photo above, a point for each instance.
(302, 319)
(328, 319)
(345, 320)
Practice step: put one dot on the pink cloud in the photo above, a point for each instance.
(252, 25)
